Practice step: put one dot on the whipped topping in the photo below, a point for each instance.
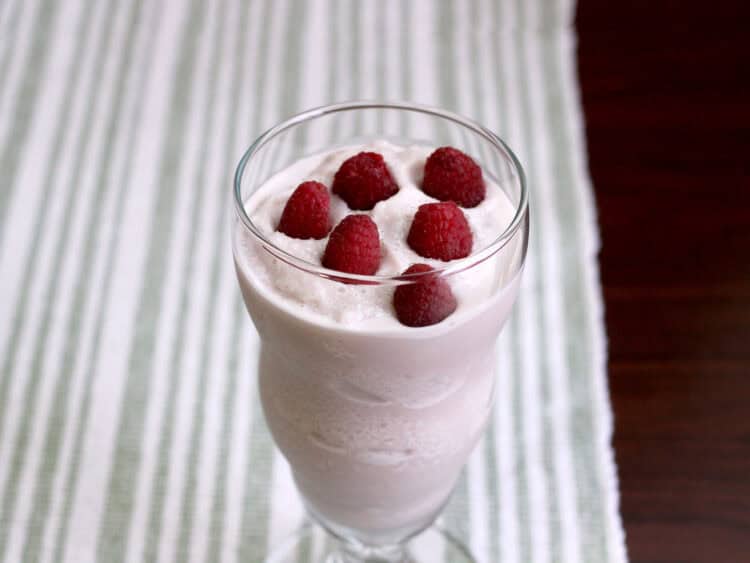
(364, 305)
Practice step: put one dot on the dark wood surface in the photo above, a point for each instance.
(666, 93)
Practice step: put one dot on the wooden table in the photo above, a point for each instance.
(666, 92)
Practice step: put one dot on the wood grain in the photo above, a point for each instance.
(666, 94)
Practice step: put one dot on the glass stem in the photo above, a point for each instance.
(358, 553)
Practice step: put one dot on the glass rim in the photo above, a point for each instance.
(450, 268)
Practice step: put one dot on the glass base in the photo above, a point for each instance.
(312, 544)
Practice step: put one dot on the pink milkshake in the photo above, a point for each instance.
(376, 401)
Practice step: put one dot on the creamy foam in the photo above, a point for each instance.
(355, 305)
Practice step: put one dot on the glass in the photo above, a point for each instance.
(377, 421)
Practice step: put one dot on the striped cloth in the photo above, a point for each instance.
(129, 425)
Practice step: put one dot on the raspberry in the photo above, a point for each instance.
(354, 246)
(305, 214)
(440, 230)
(426, 301)
(450, 174)
(363, 180)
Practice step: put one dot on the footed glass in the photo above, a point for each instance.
(377, 419)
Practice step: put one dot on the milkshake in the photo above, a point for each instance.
(377, 389)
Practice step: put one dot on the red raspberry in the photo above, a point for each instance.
(354, 246)
(450, 174)
(440, 230)
(305, 214)
(426, 301)
(363, 180)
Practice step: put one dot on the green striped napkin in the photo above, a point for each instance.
(129, 425)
